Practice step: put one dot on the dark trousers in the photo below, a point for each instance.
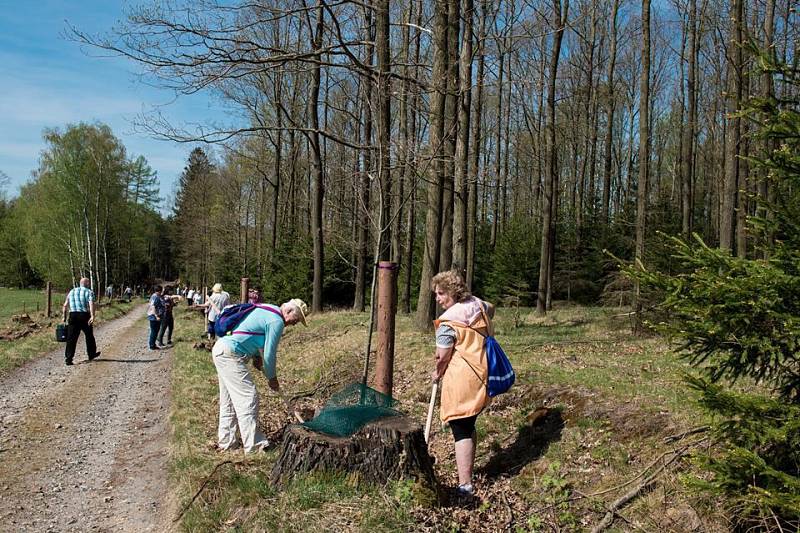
(77, 322)
(155, 325)
(167, 323)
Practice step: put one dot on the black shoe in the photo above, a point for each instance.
(68, 363)
(95, 356)
(155, 348)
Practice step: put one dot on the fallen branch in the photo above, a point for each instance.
(202, 486)
(626, 498)
(693, 431)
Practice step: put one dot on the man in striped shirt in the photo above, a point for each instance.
(80, 302)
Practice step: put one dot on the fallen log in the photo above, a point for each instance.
(387, 448)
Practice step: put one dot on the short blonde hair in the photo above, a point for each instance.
(217, 287)
(452, 283)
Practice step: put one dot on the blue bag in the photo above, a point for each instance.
(501, 374)
(231, 317)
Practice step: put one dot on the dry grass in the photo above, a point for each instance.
(588, 414)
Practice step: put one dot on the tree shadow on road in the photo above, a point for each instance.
(531, 442)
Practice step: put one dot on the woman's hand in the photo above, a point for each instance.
(434, 376)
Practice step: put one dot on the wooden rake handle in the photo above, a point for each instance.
(431, 405)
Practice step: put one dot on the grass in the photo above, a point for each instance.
(612, 398)
(15, 353)
(31, 301)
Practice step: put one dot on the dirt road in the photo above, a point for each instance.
(84, 447)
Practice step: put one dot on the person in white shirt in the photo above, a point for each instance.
(215, 304)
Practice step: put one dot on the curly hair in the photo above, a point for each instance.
(452, 283)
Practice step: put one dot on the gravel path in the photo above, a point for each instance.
(84, 448)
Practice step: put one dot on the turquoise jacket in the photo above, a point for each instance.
(260, 329)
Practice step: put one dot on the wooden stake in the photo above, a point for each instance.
(245, 287)
(387, 309)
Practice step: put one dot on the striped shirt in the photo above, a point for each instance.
(79, 299)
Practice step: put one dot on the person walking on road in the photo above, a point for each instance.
(80, 302)
(155, 312)
(256, 336)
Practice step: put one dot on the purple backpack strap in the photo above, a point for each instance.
(268, 308)
(265, 308)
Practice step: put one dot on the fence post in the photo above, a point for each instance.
(49, 299)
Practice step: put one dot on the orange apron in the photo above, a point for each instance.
(464, 381)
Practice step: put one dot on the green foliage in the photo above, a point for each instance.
(740, 318)
(89, 211)
(290, 271)
(193, 224)
(736, 317)
(514, 263)
(758, 464)
(15, 271)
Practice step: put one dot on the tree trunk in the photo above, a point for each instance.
(549, 206)
(451, 134)
(644, 156)
(364, 188)
(462, 198)
(477, 139)
(430, 260)
(400, 204)
(411, 170)
(318, 184)
(767, 91)
(498, 155)
(384, 126)
(727, 217)
(687, 157)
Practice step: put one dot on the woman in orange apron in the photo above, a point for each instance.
(461, 366)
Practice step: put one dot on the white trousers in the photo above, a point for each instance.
(238, 401)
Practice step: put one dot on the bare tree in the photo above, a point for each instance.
(727, 218)
(644, 156)
(610, 107)
(462, 200)
(430, 260)
(550, 206)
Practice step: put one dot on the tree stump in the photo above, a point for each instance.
(387, 448)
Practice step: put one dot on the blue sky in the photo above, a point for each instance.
(49, 81)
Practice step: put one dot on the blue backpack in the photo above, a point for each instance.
(233, 315)
(501, 374)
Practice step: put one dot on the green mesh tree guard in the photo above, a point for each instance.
(350, 409)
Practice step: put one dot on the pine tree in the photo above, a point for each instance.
(739, 321)
(193, 211)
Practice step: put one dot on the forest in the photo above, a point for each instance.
(525, 143)
(604, 152)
